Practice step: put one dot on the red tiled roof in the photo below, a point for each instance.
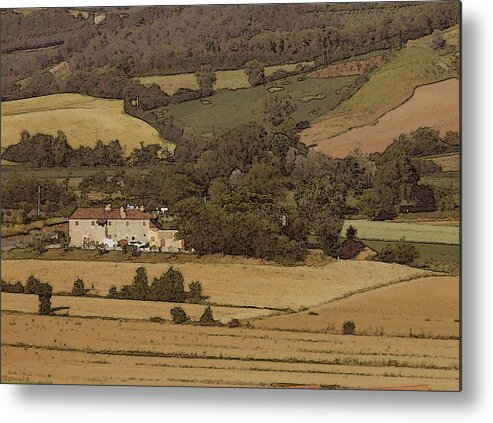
(114, 214)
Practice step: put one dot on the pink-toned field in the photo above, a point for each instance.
(435, 105)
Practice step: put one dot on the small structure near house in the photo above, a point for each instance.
(114, 228)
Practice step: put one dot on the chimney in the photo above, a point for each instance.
(107, 207)
(123, 215)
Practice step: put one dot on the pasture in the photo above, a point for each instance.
(83, 119)
(448, 162)
(45, 349)
(388, 87)
(229, 108)
(411, 232)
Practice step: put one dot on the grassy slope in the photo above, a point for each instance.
(84, 120)
(389, 86)
(229, 108)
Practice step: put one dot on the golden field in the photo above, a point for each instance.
(427, 307)
(83, 119)
(448, 163)
(259, 285)
(48, 349)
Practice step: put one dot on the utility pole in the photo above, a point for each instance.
(38, 211)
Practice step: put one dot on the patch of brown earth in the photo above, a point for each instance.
(435, 105)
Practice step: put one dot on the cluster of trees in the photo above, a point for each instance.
(167, 287)
(33, 286)
(22, 192)
(180, 39)
(43, 150)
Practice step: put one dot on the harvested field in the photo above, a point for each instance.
(40, 349)
(225, 284)
(126, 309)
(412, 232)
(427, 307)
(83, 119)
(435, 106)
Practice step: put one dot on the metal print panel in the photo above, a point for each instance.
(236, 196)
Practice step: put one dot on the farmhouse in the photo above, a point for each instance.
(94, 227)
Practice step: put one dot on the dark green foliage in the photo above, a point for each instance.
(140, 286)
(168, 287)
(207, 319)
(277, 109)
(348, 328)
(400, 252)
(194, 295)
(437, 40)
(255, 72)
(44, 294)
(78, 289)
(179, 316)
(16, 288)
(351, 233)
(206, 78)
(234, 323)
(32, 285)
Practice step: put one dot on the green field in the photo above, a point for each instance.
(442, 179)
(427, 252)
(412, 232)
(228, 109)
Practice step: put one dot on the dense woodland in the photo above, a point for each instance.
(155, 40)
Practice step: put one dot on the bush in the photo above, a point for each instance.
(169, 287)
(12, 288)
(44, 295)
(195, 292)
(32, 285)
(234, 323)
(78, 289)
(348, 328)
(179, 316)
(401, 253)
(351, 233)
(207, 319)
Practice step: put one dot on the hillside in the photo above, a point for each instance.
(389, 87)
(83, 119)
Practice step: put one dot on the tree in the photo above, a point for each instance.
(278, 108)
(351, 233)
(205, 78)
(44, 295)
(140, 286)
(168, 287)
(255, 72)
(400, 252)
(78, 289)
(437, 40)
(179, 316)
(348, 328)
(195, 291)
(207, 319)
(32, 285)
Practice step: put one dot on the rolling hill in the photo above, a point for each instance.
(83, 119)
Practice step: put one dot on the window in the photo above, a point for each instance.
(109, 222)
(128, 223)
(76, 223)
(144, 223)
(145, 235)
(92, 223)
(109, 236)
(152, 238)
